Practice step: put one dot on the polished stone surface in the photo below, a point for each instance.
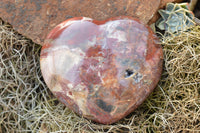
(102, 70)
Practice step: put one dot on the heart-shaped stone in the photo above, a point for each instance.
(102, 70)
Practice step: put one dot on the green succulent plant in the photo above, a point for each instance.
(176, 17)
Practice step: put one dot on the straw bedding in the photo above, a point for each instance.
(27, 105)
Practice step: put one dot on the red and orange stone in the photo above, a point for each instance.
(102, 70)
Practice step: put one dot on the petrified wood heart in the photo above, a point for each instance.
(102, 70)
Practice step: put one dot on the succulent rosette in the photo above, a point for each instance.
(176, 17)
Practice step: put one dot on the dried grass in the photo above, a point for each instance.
(27, 105)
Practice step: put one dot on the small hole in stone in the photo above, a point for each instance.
(128, 73)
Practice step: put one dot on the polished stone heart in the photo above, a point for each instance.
(102, 70)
